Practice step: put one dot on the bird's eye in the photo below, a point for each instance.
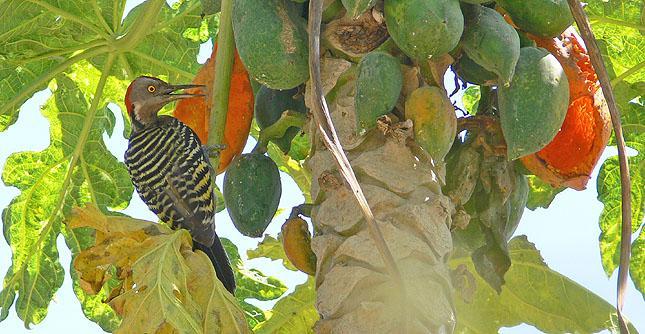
(151, 89)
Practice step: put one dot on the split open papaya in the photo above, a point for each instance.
(571, 156)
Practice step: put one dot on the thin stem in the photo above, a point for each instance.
(141, 27)
(277, 130)
(222, 84)
(625, 182)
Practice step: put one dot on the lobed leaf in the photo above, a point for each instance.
(271, 248)
(144, 266)
(76, 52)
(75, 168)
(295, 313)
(528, 297)
(252, 283)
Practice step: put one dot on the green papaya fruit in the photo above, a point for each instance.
(490, 42)
(468, 70)
(525, 40)
(252, 191)
(378, 87)
(271, 39)
(434, 119)
(518, 199)
(269, 106)
(532, 108)
(545, 18)
(424, 28)
(462, 171)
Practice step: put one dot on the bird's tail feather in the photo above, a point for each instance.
(218, 257)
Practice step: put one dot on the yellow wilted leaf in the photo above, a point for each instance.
(165, 286)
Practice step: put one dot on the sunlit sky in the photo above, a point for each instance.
(566, 233)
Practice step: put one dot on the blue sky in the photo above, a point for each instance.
(566, 233)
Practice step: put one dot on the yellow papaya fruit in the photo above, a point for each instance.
(296, 241)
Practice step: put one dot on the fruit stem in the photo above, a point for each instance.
(288, 119)
(222, 83)
(625, 183)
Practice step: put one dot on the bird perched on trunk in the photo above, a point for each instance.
(170, 169)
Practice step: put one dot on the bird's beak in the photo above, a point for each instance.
(170, 95)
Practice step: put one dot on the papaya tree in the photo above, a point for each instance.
(417, 131)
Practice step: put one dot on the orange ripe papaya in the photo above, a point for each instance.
(571, 156)
(296, 242)
(196, 112)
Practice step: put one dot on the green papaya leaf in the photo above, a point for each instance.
(271, 248)
(609, 194)
(528, 297)
(619, 28)
(295, 313)
(357, 7)
(252, 283)
(490, 41)
(76, 168)
(86, 57)
(637, 268)
(541, 194)
(471, 98)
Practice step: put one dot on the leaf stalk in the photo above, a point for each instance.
(222, 83)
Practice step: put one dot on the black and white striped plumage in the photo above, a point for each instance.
(172, 176)
(170, 171)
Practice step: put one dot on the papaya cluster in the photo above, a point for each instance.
(399, 52)
(490, 194)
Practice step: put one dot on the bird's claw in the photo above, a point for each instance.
(211, 151)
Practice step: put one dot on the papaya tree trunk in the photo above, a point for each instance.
(355, 293)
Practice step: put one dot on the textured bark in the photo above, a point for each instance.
(355, 294)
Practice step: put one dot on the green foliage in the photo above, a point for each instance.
(295, 313)
(618, 25)
(541, 194)
(471, 98)
(77, 56)
(357, 7)
(528, 297)
(271, 248)
(77, 168)
(87, 57)
(252, 283)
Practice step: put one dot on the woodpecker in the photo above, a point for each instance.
(170, 169)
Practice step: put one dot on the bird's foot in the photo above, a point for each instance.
(211, 151)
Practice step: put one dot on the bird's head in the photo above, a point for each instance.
(147, 95)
